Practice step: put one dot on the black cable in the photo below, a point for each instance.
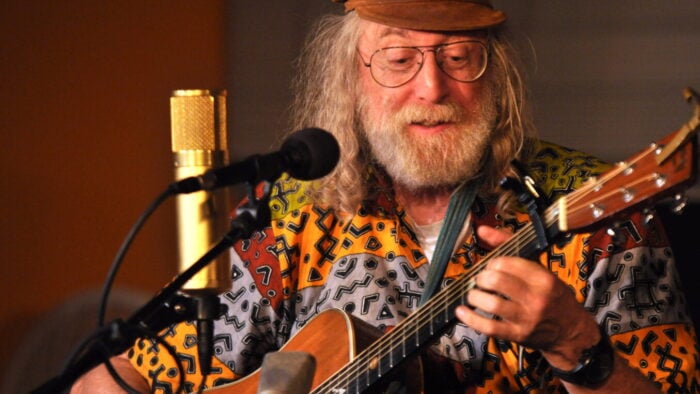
(202, 384)
(82, 346)
(116, 263)
(180, 369)
(238, 227)
(106, 290)
(95, 341)
(118, 378)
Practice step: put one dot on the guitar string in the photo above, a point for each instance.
(387, 343)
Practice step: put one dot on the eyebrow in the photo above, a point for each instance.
(392, 31)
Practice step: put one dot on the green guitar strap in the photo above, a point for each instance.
(457, 211)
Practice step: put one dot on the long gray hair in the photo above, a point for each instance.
(326, 96)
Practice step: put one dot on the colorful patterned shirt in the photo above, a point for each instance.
(371, 266)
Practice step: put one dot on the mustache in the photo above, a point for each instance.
(431, 115)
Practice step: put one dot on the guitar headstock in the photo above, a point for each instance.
(666, 167)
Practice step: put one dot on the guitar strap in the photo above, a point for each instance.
(455, 219)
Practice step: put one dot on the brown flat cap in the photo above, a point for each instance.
(440, 15)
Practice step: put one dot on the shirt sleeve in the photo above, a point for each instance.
(634, 290)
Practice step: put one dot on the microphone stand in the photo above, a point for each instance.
(167, 307)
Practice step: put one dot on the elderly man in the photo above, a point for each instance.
(427, 102)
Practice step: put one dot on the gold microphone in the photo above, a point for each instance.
(199, 142)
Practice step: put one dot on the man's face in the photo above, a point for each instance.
(431, 131)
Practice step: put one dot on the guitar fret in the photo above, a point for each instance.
(368, 379)
(403, 346)
(446, 315)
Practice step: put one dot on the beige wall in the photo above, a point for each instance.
(85, 143)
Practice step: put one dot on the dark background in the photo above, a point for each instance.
(85, 134)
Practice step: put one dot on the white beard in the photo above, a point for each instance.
(418, 161)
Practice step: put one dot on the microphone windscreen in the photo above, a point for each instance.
(198, 121)
(315, 151)
(287, 373)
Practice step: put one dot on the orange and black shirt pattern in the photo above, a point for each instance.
(371, 265)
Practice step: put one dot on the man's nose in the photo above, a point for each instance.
(431, 82)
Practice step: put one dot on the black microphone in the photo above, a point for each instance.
(306, 154)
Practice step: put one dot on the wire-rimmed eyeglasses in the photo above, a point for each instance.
(464, 61)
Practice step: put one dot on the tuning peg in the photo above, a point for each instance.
(649, 215)
(680, 201)
(618, 238)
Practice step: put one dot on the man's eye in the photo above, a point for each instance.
(399, 58)
(456, 60)
(399, 61)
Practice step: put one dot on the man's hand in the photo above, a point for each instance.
(535, 309)
(532, 307)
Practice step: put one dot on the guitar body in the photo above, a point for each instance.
(333, 338)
